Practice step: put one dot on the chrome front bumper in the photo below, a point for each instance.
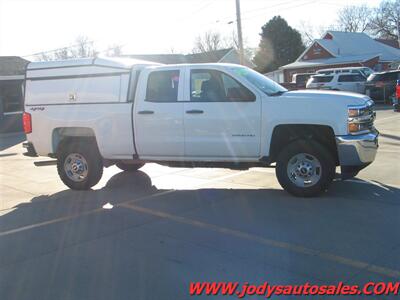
(357, 150)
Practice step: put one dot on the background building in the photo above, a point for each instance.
(343, 49)
(229, 55)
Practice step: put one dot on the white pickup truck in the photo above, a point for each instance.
(94, 113)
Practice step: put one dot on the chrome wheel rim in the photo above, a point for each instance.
(304, 170)
(76, 167)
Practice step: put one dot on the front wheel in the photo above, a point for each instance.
(79, 164)
(305, 168)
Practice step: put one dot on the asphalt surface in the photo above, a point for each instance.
(146, 235)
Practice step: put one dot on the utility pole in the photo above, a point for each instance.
(239, 32)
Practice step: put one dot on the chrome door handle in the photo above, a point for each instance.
(194, 111)
(146, 112)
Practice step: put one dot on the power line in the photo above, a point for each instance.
(259, 9)
(199, 9)
(287, 8)
(202, 7)
(268, 7)
(231, 20)
(196, 11)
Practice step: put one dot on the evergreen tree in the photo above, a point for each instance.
(280, 45)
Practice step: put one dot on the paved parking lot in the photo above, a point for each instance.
(146, 235)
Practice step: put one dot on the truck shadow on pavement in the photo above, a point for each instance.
(69, 244)
(136, 188)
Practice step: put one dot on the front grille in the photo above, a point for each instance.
(370, 110)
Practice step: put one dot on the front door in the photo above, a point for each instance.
(158, 114)
(222, 117)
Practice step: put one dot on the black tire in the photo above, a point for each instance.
(88, 150)
(129, 167)
(318, 151)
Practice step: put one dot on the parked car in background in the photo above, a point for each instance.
(381, 86)
(352, 82)
(365, 71)
(300, 79)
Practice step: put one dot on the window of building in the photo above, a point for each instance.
(317, 51)
(162, 86)
(216, 86)
(11, 96)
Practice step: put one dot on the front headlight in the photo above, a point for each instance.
(360, 118)
(353, 112)
(353, 127)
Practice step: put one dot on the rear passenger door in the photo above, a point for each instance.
(158, 114)
(222, 117)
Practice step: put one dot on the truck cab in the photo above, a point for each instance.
(198, 113)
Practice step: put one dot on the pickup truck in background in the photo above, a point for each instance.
(381, 87)
(349, 82)
(299, 80)
(94, 113)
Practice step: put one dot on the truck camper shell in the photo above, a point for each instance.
(86, 80)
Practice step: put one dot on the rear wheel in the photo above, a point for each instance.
(129, 167)
(79, 164)
(305, 168)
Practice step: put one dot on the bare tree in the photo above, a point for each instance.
(232, 40)
(310, 32)
(83, 47)
(60, 54)
(42, 57)
(385, 20)
(209, 41)
(114, 50)
(354, 18)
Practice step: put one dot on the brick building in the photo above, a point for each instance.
(343, 49)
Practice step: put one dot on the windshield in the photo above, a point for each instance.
(260, 81)
(366, 71)
(374, 77)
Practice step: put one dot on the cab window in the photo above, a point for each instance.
(162, 86)
(216, 86)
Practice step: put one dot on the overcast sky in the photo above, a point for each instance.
(151, 26)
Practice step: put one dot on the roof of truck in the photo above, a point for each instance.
(124, 63)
